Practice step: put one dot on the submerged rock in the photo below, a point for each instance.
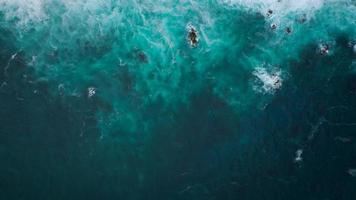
(324, 49)
(193, 38)
(142, 57)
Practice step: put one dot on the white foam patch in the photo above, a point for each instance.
(23, 11)
(267, 82)
(280, 8)
(352, 172)
(298, 155)
(282, 5)
(91, 91)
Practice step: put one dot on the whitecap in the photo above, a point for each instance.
(267, 81)
(91, 91)
(298, 155)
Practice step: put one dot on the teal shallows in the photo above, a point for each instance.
(84, 43)
(89, 43)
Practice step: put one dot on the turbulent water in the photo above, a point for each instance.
(107, 99)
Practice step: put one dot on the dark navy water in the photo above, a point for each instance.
(190, 143)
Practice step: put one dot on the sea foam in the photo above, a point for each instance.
(24, 12)
(281, 6)
(267, 81)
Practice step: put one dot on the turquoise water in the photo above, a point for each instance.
(107, 99)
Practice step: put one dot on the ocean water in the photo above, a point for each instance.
(106, 99)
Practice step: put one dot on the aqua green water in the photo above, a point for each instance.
(107, 100)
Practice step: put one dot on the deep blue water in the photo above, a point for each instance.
(168, 121)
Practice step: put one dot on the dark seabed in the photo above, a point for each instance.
(108, 100)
